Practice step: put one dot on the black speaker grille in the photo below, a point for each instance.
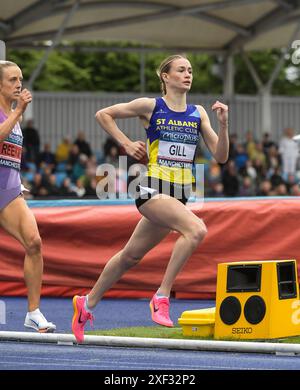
(255, 309)
(230, 310)
(241, 278)
(286, 280)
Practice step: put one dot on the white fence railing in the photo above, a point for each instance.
(58, 115)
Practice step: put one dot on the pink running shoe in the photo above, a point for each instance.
(80, 318)
(160, 311)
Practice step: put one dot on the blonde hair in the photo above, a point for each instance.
(164, 67)
(3, 65)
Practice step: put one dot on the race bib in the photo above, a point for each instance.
(176, 149)
(11, 152)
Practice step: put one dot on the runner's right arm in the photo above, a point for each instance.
(141, 108)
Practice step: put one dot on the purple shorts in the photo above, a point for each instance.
(6, 196)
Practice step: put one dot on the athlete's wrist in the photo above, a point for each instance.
(18, 112)
(223, 124)
(125, 143)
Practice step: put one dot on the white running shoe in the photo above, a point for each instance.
(35, 320)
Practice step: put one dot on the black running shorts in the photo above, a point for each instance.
(151, 186)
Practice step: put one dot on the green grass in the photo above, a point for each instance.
(142, 331)
(292, 340)
(170, 333)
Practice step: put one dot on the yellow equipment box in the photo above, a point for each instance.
(257, 300)
(198, 322)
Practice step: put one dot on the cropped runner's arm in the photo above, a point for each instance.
(218, 144)
(7, 126)
(141, 108)
(15, 116)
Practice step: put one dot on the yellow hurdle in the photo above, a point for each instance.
(200, 323)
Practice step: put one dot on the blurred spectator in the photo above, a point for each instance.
(37, 183)
(31, 141)
(79, 188)
(281, 190)
(273, 158)
(267, 143)
(259, 155)
(289, 152)
(250, 170)
(109, 142)
(216, 191)
(215, 173)
(112, 156)
(63, 151)
(51, 186)
(290, 181)
(230, 180)
(232, 146)
(260, 170)
(91, 167)
(83, 145)
(46, 156)
(91, 188)
(250, 145)
(265, 188)
(247, 188)
(66, 189)
(73, 158)
(295, 190)
(79, 167)
(241, 158)
(38, 188)
(276, 179)
(46, 172)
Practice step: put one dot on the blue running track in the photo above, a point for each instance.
(113, 313)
